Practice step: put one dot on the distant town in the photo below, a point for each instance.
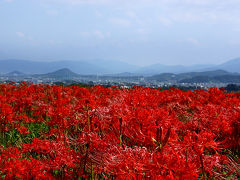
(191, 80)
(122, 74)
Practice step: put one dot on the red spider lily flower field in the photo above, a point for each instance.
(58, 132)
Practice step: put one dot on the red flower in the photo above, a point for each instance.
(23, 130)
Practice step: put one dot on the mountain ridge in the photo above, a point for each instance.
(107, 67)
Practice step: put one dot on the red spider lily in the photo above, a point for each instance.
(112, 133)
(23, 130)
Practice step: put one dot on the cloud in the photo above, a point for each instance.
(75, 2)
(120, 22)
(98, 14)
(20, 34)
(55, 42)
(165, 21)
(52, 12)
(182, 3)
(8, 1)
(142, 31)
(131, 14)
(192, 41)
(30, 38)
(170, 11)
(236, 29)
(24, 36)
(95, 34)
(99, 34)
(85, 34)
(196, 3)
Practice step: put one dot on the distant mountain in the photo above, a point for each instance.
(164, 77)
(64, 73)
(115, 67)
(217, 76)
(213, 73)
(231, 66)
(216, 79)
(81, 67)
(36, 67)
(160, 68)
(106, 67)
(15, 73)
(124, 74)
(198, 79)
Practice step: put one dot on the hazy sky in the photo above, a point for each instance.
(136, 31)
